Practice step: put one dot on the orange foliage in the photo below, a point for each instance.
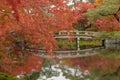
(98, 2)
(26, 24)
(32, 63)
(80, 9)
(108, 23)
(24, 66)
(96, 62)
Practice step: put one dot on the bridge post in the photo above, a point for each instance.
(78, 43)
(60, 33)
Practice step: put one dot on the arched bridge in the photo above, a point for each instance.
(72, 53)
(77, 35)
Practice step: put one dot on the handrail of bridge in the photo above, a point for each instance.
(76, 32)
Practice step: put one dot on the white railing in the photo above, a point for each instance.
(77, 33)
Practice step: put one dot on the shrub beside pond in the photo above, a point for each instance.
(111, 35)
(33, 76)
(4, 76)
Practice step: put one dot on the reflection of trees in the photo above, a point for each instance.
(102, 75)
(109, 53)
(72, 74)
(113, 46)
(101, 68)
(51, 69)
(47, 70)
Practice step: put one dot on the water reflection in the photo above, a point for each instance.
(112, 46)
(96, 67)
(55, 70)
(99, 68)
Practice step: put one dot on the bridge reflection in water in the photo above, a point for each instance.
(81, 68)
(70, 54)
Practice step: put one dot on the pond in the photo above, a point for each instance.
(105, 65)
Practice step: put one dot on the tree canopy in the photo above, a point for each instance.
(27, 24)
(106, 12)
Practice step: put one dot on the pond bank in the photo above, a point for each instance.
(112, 41)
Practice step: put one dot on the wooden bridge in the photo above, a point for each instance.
(72, 53)
(77, 35)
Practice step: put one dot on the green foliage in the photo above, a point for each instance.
(4, 76)
(80, 28)
(89, 43)
(109, 2)
(65, 44)
(107, 8)
(33, 76)
(112, 35)
(92, 28)
(92, 15)
(79, 25)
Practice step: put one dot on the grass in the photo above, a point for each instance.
(64, 44)
(89, 43)
(4, 76)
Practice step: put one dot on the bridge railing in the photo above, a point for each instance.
(77, 33)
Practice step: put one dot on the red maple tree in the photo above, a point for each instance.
(25, 24)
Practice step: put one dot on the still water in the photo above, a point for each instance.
(59, 71)
(105, 65)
